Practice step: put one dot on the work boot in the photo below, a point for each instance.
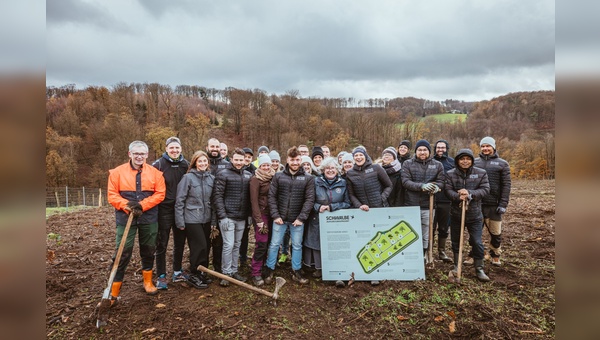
(239, 277)
(442, 250)
(205, 278)
(258, 281)
(196, 281)
(296, 276)
(479, 271)
(455, 268)
(148, 285)
(268, 275)
(317, 273)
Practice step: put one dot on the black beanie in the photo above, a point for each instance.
(423, 142)
(316, 150)
(406, 142)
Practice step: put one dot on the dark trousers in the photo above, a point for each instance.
(441, 220)
(166, 222)
(196, 238)
(475, 229)
(179, 237)
(217, 248)
(147, 241)
(244, 244)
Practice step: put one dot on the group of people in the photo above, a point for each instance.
(214, 199)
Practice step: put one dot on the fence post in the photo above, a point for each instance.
(83, 189)
(100, 197)
(57, 201)
(67, 197)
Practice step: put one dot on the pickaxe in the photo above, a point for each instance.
(279, 282)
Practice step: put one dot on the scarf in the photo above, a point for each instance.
(393, 167)
(264, 176)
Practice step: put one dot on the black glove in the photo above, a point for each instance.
(501, 210)
(135, 207)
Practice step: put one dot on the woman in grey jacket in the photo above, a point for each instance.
(331, 194)
(194, 214)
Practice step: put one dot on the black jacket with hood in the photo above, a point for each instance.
(498, 172)
(475, 180)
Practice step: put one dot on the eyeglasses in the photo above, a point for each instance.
(139, 154)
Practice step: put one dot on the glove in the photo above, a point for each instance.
(436, 189)
(135, 207)
(428, 187)
(214, 232)
(263, 229)
(501, 210)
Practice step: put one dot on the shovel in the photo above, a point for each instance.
(455, 276)
(430, 263)
(104, 307)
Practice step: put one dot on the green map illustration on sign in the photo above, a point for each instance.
(385, 245)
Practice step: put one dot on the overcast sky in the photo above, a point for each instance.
(435, 49)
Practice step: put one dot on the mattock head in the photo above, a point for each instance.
(279, 282)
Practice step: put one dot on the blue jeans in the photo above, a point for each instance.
(232, 231)
(296, 234)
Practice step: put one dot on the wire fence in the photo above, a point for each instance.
(65, 197)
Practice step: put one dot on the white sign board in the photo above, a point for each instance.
(381, 244)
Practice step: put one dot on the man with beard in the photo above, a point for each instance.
(441, 220)
(217, 164)
(291, 199)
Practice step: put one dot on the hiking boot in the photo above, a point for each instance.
(479, 271)
(468, 261)
(296, 276)
(224, 283)
(496, 261)
(317, 273)
(239, 277)
(282, 258)
(258, 281)
(442, 250)
(196, 281)
(375, 283)
(455, 267)
(340, 284)
(180, 277)
(161, 282)
(148, 285)
(268, 275)
(205, 278)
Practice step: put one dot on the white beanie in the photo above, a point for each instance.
(274, 155)
(262, 159)
(347, 157)
(488, 140)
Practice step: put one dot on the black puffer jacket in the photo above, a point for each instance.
(173, 170)
(475, 180)
(232, 193)
(415, 173)
(498, 172)
(396, 198)
(448, 163)
(217, 164)
(194, 199)
(368, 184)
(291, 196)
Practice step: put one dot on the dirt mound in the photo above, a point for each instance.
(519, 302)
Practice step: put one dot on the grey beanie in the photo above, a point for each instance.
(347, 157)
(488, 140)
(263, 149)
(262, 159)
(274, 155)
(391, 151)
(172, 140)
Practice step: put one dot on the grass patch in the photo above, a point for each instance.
(62, 210)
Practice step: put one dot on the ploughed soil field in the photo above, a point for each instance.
(518, 302)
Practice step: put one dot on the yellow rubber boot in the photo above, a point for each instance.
(148, 285)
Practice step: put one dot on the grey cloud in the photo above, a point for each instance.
(82, 13)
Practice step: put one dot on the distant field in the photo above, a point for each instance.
(449, 117)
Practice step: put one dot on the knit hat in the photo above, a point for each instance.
(274, 155)
(341, 154)
(405, 142)
(347, 157)
(488, 140)
(359, 149)
(262, 159)
(391, 151)
(173, 140)
(248, 150)
(316, 150)
(464, 152)
(263, 149)
(423, 142)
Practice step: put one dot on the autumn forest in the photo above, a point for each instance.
(88, 130)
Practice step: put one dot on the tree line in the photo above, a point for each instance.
(88, 130)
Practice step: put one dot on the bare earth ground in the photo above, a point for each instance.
(518, 302)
